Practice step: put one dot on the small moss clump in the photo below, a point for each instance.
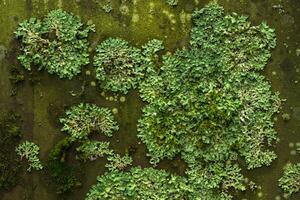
(172, 2)
(122, 99)
(61, 173)
(57, 43)
(16, 77)
(63, 176)
(118, 65)
(115, 111)
(290, 181)
(83, 119)
(107, 7)
(93, 83)
(88, 72)
(117, 163)
(57, 153)
(91, 150)
(30, 151)
(286, 117)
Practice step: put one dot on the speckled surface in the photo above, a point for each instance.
(137, 21)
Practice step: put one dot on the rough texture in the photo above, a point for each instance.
(209, 104)
(83, 119)
(58, 43)
(118, 65)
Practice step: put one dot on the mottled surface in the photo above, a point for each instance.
(137, 21)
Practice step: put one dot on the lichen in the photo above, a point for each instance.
(209, 103)
(63, 175)
(57, 43)
(30, 151)
(290, 181)
(83, 119)
(118, 65)
(116, 162)
(139, 183)
(91, 150)
(172, 2)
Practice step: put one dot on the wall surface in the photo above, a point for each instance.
(137, 21)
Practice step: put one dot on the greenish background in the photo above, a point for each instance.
(41, 104)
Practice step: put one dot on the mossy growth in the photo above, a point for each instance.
(106, 5)
(286, 117)
(57, 153)
(83, 119)
(172, 2)
(290, 181)
(118, 163)
(80, 121)
(30, 151)
(16, 77)
(10, 135)
(139, 183)
(118, 65)
(63, 176)
(91, 150)
(57, 43)
(210, 104)
(61, 173)
(121, 67)
(207, 103)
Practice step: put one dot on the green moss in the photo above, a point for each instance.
(209, 103)
(298, 52)
(118, 66)
(58, 43)
(107, 8)
(290, 181)
(83, 119)
(16, 77)
(93, 83)
(115, 111)
(57, 152)
(139, 183)
(286, 117)
(63, 176)
(61, 173)
(91, 150)
(116, 162)
(196, 109)
(30, 151)
(106, 5)
(122, 99)
(9, 138)
(88, 72)
(172, 2)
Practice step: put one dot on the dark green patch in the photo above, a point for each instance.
(10, 135)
